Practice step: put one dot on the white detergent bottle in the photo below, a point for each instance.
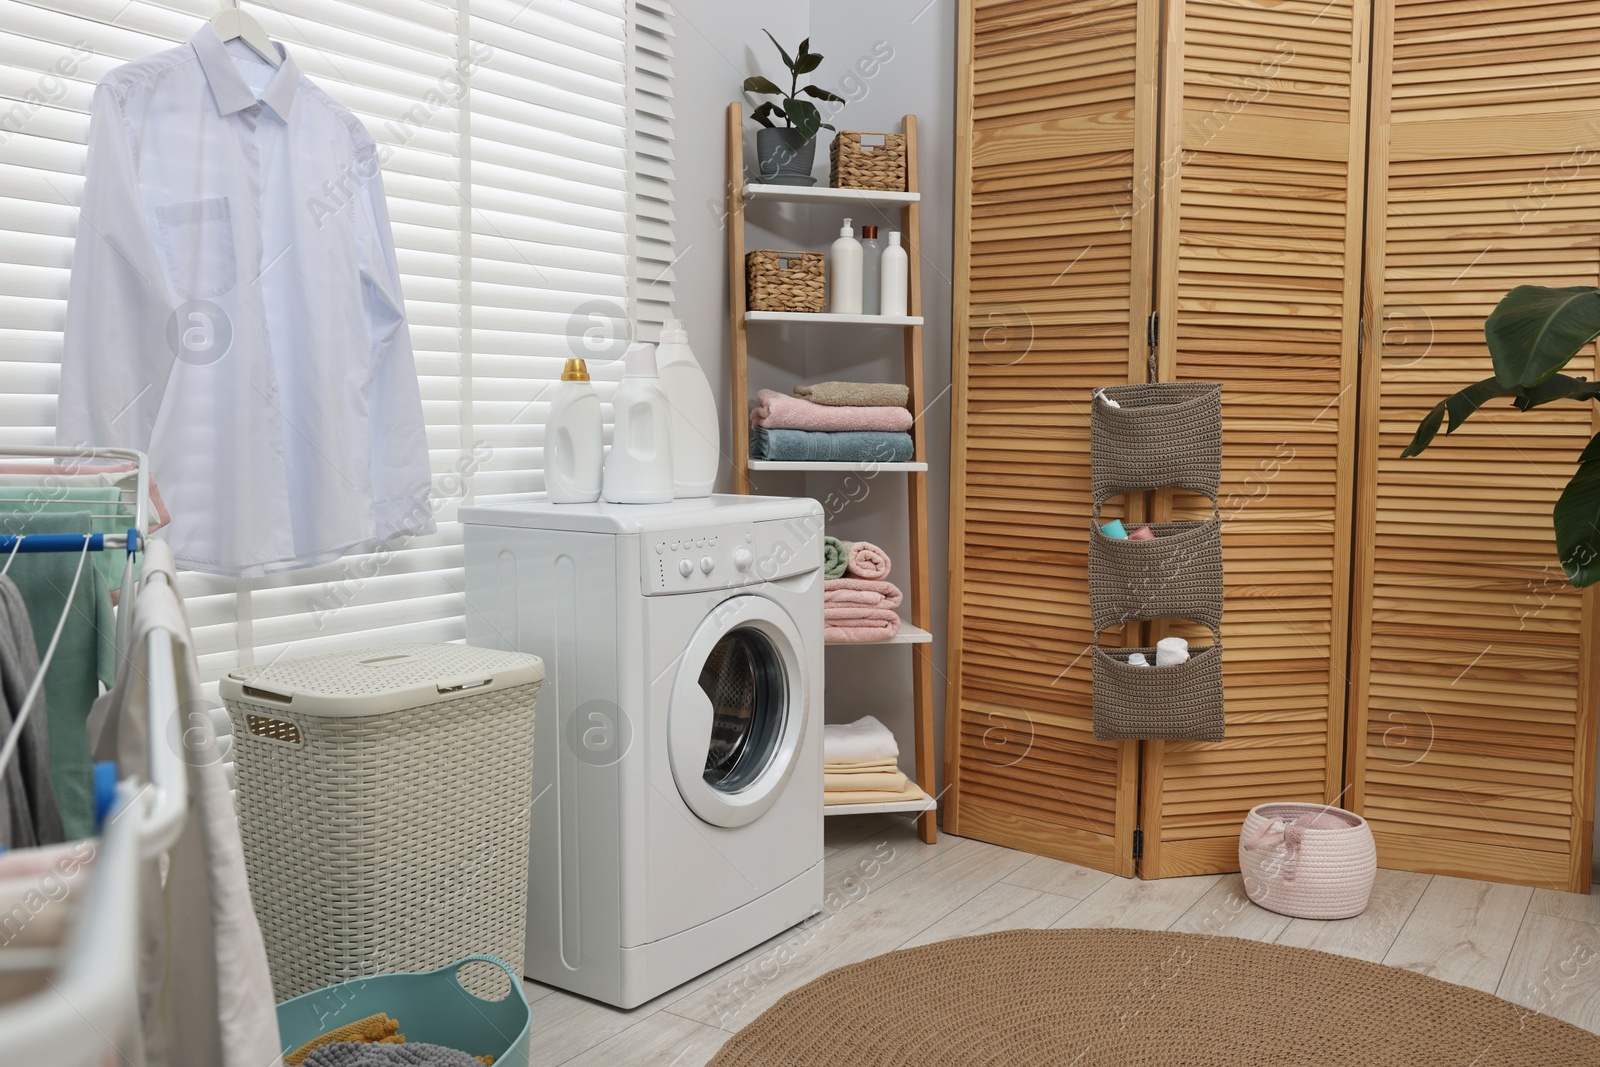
(574, 442)
(844, 273)
(639, 465)
(892, 269)
(695, 433)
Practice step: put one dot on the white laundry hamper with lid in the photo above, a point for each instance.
(383, 797)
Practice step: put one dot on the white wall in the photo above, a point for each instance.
(717, 45)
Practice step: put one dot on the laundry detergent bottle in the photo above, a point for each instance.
(639, 465)
(695, 433)
(574, 442)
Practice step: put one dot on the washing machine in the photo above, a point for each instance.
(677, 811)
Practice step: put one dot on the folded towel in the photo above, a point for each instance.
(869, 796)
(860, 630)
(854, 742)
(870, 766)
(418, 1054)
(855, 394)
(867, 560)
(851, 614)
(860, 591)
(878, 780)
(1171, 651)
(778, 412)
(833, 557)
(852, 446)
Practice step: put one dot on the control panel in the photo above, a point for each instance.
(689, 560)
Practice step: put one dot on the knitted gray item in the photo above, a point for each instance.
(409, 1054)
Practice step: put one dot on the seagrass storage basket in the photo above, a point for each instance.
(383, 799)
(1311, 861)
(1178, 574)
(1165, 435)
(783, 280)
(1179, 702)
(868, 161)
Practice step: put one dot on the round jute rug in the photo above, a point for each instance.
(1132, 998)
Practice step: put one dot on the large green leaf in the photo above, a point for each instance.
(764, 112)
(1577, 520)
(757, 84)
(1458, 406)
(822, 94)
(804, 116)
(1535, 330)
(786, 60)
(1557, 387)
(806, 63)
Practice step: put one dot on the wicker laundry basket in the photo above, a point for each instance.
(1311, 861)
(1165, 435)
(383, 798)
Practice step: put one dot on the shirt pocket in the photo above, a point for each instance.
(197, 244)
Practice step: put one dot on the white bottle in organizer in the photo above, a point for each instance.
(639, 465)
(695, 450)
(574, 443)
(892, 267)
(844, 273)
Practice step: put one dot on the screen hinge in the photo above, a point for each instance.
(1153, 330)
(1138, 844)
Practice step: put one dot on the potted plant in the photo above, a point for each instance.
(1532, 333)
(784, 154)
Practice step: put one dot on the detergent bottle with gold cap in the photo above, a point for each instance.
(574, 442)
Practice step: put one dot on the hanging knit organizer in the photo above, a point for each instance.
(1159, 436)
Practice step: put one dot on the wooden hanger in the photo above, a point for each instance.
(234, 23)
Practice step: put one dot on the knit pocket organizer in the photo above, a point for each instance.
(1163, 435)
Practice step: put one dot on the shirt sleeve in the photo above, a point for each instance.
(116, 358)
(401, 479)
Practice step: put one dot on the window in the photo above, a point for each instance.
(512, 133)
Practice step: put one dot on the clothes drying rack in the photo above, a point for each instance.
(89, 998)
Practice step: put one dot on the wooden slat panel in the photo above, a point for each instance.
(1474, 669)
(1053, 244)
(1258, 288)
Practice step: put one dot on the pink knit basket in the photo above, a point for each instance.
(1311, 861)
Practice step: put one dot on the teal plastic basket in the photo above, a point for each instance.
(432, 1007)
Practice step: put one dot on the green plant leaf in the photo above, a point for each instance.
(1458, 406)
(1534, 331)
(757, 84)
(830, 126)
(805, 64)
(1557, 387)
(1577, 520)
(764, 112)
(822, 94)
(786, 60)
(804, 117)
(804, 50)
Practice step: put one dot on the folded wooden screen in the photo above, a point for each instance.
(1474, 669)
(1053, 231)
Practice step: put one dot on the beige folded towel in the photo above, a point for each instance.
(855, 394)
(837, 798)
(877, 781)
(864, 767)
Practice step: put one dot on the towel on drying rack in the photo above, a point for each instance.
(855, 394)
(778, 412)
(29, 815)
(819, 446)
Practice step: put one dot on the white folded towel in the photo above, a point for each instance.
(1170, 651)
(859, 741)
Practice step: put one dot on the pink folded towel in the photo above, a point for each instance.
(775, 411)
(866, 560)
(860, 591)
(850, 614)
(861, 631)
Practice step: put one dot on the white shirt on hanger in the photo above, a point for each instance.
(235, 311)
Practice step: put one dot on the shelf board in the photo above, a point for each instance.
(860, 466)
(827, 319)
(821, 194)
(906, 635)
(925, 804)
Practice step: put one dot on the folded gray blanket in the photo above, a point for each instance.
(840, 446)
(409, 1054)
(855, 394)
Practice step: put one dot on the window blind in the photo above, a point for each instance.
(504, 129)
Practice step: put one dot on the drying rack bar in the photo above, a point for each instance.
(65, 542)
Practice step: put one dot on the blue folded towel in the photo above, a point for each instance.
(839, 446)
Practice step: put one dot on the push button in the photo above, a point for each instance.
(685, 567)
(706, 563)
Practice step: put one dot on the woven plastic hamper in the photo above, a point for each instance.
(383, 798)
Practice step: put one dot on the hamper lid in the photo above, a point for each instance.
(387, 678)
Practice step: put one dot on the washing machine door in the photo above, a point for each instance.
(738, 711)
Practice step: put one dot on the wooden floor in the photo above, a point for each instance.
(886, 890)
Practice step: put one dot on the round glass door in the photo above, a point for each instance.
(744, 680)
(738, 711)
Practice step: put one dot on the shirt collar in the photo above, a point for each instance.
(228, 86)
